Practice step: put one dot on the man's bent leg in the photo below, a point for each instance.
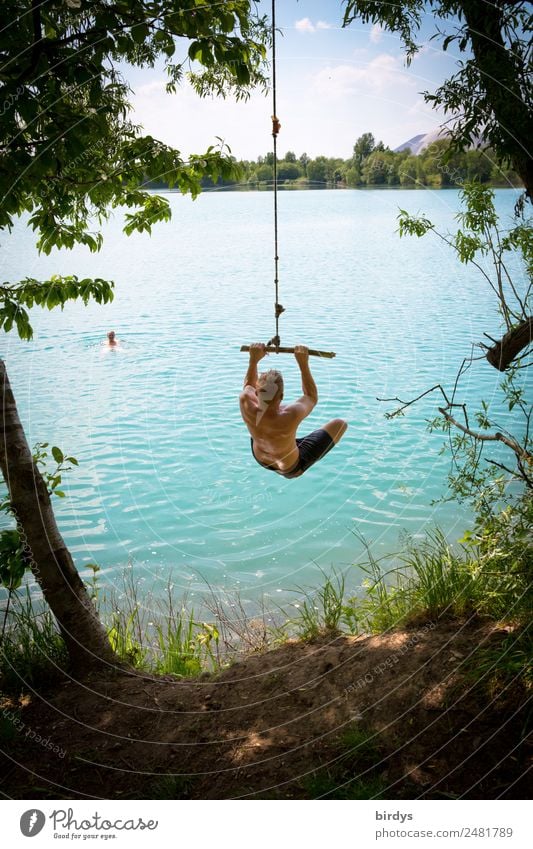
(336, 429)
(316, 445)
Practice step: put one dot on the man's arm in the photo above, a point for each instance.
(251, 374)
(304, 405)
(257, 352)
(308, 384)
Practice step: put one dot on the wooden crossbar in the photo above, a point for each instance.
(271, 349)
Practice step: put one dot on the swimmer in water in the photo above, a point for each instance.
(112, 341)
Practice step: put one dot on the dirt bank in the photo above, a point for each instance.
(394, 715)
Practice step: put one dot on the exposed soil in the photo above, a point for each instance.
(275, 726)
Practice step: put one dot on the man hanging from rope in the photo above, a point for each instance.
(273, 426)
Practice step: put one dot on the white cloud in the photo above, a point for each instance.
(304, 25)
(155, 87)
(191, 123)
(323, 108)
(376, 34)
(430, 51)
(384, 73)
(307, 25)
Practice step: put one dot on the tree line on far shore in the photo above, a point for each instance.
(374, 164)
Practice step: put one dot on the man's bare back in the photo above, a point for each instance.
(273, 425)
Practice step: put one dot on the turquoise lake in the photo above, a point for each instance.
(166, 482)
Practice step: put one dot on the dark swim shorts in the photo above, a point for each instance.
(312, 447)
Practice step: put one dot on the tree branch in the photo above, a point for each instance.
(414, 400)
(515, 340)
(521, 453)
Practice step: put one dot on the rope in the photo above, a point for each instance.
(278, 309)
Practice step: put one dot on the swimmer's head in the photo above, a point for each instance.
(270, 387)
(111, 336)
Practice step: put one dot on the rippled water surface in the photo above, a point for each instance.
(166, 479)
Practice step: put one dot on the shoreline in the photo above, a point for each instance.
(237, 187)
(364, 697)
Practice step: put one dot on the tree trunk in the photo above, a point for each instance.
(504, 352)
(51, 562)
(498, 67)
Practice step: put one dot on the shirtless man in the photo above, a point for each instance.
(112, 340)
(273, 426)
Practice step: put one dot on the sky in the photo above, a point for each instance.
(333, 85)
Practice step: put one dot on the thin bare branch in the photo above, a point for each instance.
(519, 450)
(405, 404)
(501, 466)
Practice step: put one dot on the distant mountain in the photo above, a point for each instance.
(419, 143)
(413, 144)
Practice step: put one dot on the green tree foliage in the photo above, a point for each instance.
(69, 157)
(17, 298)
(436, 166)
(381, 168)
(352, 176)
(317, 170)
(69, 152)
(363, 147)
(264, 173)
(335, 169)
(481, 242)
(489, 96)
(304, 161)
(289, 170)
(409, 172)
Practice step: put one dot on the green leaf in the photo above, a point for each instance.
(57, 454)
(12, 561)
(140, 33)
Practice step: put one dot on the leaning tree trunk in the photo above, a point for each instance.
(50, 560)
(502, 353)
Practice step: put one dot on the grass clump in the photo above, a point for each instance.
(32, 652)
(507, 665)
(352, 772)
(156, 635)
(489, 574)
(430, 581)
(168, 787)
(164, 641)
(319, 612)
(185, 647)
